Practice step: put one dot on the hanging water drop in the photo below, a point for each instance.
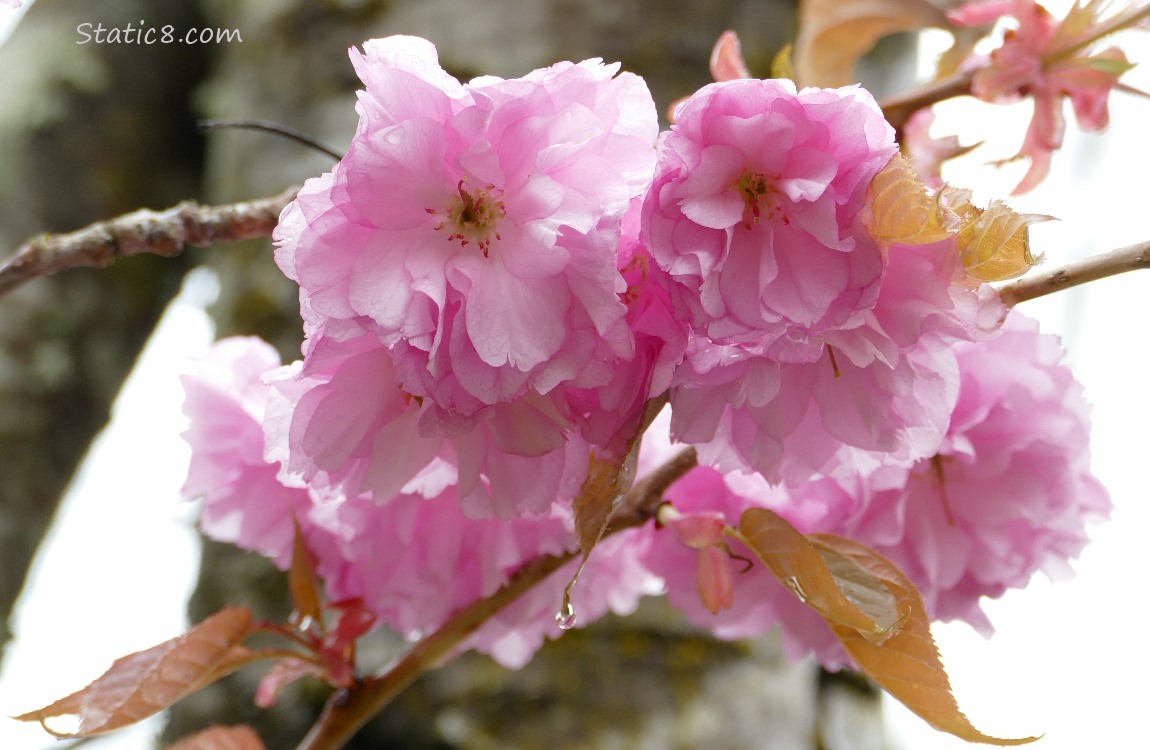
(796, 588)
(565, 617)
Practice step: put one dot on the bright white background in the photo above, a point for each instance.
(1067, 660)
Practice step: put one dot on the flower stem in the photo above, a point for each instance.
(348, 710)
(1130, 258)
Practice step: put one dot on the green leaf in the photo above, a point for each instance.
(1110, 66)
(782, 66)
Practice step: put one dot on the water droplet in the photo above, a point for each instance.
(796, 588)
(565, 617)
(415, 635)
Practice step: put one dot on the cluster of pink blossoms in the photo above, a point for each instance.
(500, 275)
(1049, 61)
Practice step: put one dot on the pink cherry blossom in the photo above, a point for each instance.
(414, 560)
(755, 213)
(244, 501)
(1009, 492)
(926, 152)
(476, 225)
(885, 386)
(1048, 61)
(606, 415)
(342, 419)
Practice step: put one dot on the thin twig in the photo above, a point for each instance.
(267, 126)
(348, 710)
(163, 233)
(1130, 258)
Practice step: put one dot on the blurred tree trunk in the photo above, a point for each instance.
(87, 132)
(645, 681)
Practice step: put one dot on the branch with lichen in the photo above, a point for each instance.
(348, 710)
(1039, 284)
(165, 233)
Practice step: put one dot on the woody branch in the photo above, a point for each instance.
(165, 233)
(1039, 284)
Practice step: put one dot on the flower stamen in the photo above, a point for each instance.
(473, 216)
(759, 197)
(834, 362)
(936, 464)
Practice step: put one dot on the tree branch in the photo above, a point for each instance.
(163, 233)
(1130, 258)
(898, 109)
(347, 711)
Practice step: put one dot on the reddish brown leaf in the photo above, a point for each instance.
(304, 585)
(907, 665)
(856, 601)
(144, 683)
(221, 738)
(282, 674)
(835, 34)
(606, 483)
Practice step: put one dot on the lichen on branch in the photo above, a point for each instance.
(165, 233)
